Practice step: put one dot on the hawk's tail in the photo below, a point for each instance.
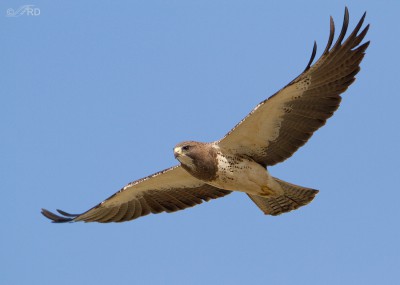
(294, 197)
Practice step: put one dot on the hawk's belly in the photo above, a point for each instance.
(242, 174)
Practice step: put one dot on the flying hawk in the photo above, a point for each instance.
(271, 133)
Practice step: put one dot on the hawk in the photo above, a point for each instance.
(268, 135)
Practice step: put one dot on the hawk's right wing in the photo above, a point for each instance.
(169, 190)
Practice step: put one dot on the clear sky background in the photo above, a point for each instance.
(95, 94)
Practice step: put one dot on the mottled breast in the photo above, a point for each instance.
(239, 173)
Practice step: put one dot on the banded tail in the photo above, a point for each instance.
(294, 197)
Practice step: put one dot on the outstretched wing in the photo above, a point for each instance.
(278, 126)
(166, 191)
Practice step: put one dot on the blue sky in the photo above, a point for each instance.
(95, 94)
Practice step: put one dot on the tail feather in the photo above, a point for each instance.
(294, 197)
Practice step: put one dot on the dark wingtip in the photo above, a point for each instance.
(346, 13)
(344, 29)
(314, 52)
(67, 214)
(55, 218)
(331, 35)
(353, 39)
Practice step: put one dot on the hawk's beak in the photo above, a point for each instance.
(177, 152)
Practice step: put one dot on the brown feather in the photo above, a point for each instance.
(183, 193)
(278, 126)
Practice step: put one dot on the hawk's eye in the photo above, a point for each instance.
(185, 148)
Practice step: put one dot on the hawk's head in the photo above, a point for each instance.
(199, 159)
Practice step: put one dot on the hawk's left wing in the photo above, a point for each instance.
(278, 126)
(169, 190)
